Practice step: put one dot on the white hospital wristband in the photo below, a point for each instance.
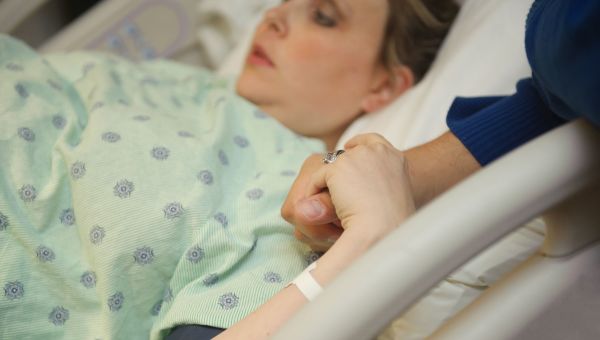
(307, 284)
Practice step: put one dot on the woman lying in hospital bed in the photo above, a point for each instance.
(136, 198)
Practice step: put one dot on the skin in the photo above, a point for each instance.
(315, 66)
(387, 185)
(316, 216)
(382, 168)
(323, 69)
(315, 81)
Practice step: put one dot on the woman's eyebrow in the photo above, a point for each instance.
(342, 6)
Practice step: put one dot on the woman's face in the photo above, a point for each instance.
(314, 62)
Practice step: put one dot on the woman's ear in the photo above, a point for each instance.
(389, 87)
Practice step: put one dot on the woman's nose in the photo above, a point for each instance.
(275, 21)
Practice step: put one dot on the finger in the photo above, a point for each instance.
(314, 210)
(299, 235)
(316, 245)
(320, 248)
(366, 139)
(312, 164)
(298, 189)
(319, 233)
(325, 233)
(318, 181)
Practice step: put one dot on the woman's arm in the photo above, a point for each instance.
(369, 188)
(263, 322)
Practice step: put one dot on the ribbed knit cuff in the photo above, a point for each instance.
(490, 127)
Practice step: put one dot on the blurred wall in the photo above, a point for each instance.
(48, 19)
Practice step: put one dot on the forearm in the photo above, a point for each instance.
(436, 166)
(263, 323)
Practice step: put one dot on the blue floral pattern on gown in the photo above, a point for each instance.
(136, 197)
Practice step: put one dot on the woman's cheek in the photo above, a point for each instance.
(312, 47)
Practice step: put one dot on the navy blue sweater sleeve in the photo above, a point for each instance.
(563, 47)
(491, 127)
(564, 54)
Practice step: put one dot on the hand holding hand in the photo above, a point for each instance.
(314, 217)
(366, 191)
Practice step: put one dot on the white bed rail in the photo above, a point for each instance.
(454, 228)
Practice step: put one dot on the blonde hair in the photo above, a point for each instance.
(414, 33)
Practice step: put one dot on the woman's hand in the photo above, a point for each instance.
(366, 191)
(368, 194)
(314, 217)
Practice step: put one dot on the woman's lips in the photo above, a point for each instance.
(259, 57)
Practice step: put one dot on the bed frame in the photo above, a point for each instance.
(551, 296)
(136, 30)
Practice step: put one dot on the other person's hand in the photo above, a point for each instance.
(366, 189)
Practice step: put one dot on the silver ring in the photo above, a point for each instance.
(330, 157)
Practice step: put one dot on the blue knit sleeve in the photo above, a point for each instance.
(490, 127)
(563, 48)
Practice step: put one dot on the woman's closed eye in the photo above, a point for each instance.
(324, 13)
(323, 20)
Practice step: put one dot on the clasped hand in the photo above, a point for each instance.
(365, 194)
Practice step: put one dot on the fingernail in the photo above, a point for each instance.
(311, 209)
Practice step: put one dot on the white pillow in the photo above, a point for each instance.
(233, 64)
(222, 23)
(484, 54)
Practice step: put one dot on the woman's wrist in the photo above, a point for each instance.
(360, 234)
(341, 255)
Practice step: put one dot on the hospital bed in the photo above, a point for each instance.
(555, 280)
(197, 32)
(553, 295)
(14, 12)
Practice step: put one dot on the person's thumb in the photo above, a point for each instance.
(315, 210)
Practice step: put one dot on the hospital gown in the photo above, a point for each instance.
(134, 198)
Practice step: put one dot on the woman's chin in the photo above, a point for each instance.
(249, 90)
